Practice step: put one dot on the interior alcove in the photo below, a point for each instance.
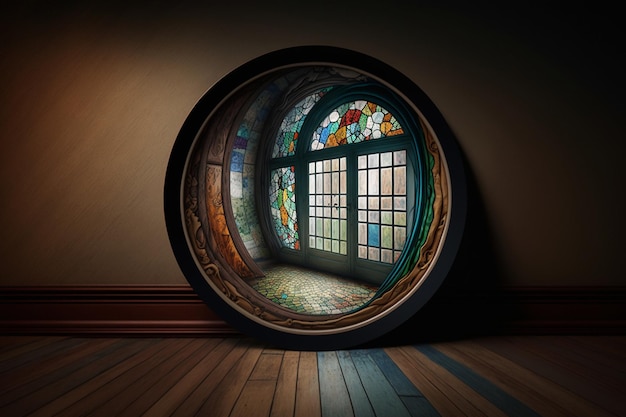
(222, 230)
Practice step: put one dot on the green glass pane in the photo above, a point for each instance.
(386, 237)
(283, 206)
(343, 248)
(386, 217)
(327, 228)
(399, 218)
(399, 237)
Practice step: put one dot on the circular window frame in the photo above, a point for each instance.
(212, 278)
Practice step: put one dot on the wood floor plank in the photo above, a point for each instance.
(558, 383)
(169, 376)
(130, 380)
(514, 379)
(413, 399)
(90, 378)
(574, 361)
(36, 352)
(481, 392)
(361, 405)
(405, 359)
(615, 345)
(334, 396)
(187, 384)
(199, 396)
(599, 350)
(384, 399)
(33, 371)
(11, 341)
(255, 399)
(39, 392)
(433, 382)
(113, 365)
(267, 367)
(307, 389)
(117, 404)
(221, 401)
(284, 400)
(394, 375)
(553, 376)
(16, 345)
(36, 390)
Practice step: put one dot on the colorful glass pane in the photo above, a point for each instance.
(287, 137)
(282, 195)
(242, 163)
(382, 223)
(355, 122)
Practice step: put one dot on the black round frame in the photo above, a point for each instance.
(175, 176)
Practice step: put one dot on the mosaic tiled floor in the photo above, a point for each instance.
(312, 292)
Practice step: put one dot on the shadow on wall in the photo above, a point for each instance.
(469, 302)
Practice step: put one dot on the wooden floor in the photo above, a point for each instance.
(483, 376)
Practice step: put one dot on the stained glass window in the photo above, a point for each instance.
(375, 231)
(355, 122)
(283, 206)
(382, 205)
(287, 137)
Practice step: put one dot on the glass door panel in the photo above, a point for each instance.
(382, 195)
(328, 205)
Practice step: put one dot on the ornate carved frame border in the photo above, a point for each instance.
(196, 193)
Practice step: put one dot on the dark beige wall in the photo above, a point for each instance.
(93, 97)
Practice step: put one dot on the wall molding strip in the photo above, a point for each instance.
(145, 310)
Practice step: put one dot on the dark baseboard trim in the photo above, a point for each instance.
(143, 310)
(108, 311)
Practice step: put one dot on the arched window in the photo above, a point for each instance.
(342, 184)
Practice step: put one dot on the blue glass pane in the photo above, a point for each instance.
(373, 234)
(236, 161)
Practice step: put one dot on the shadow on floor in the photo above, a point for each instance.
(470, 302)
